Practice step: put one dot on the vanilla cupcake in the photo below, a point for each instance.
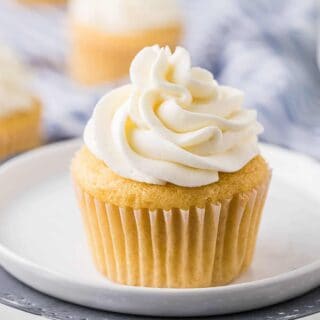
(106, 35)
(19, 110)
(170, 181)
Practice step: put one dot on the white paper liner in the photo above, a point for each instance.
(198, 247)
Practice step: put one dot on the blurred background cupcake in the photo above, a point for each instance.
(43, 1)
(106, 35)
(20, 110)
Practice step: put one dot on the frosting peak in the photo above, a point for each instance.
(174, 123)
(158, 68)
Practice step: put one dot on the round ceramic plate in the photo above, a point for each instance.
(42, 242)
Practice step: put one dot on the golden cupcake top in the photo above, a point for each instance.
(102, 183)
(173, 124)
(15, 94)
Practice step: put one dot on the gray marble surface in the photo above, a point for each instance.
(16, 294)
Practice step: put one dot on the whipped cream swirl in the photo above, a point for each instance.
(15, 94)
(174, 123)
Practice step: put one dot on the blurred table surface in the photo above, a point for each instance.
(15, 314)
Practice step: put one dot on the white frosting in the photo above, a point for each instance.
(125, 15)
(14, 81)
(174, 123)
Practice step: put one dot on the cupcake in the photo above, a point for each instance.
(20, 110)
(170, 181)
(106, 35)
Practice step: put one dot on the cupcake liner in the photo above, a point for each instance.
(97, 56)
(177, 248)
(20, 133)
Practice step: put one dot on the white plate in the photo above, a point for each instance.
(42, 242)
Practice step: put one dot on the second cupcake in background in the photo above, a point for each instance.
(20, 110)
(170, 181)
(106, 35)
(43, 2)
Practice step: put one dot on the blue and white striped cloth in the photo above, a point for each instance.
(265, 47)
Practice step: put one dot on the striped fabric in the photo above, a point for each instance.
(265, 47)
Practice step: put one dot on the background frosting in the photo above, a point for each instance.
(125, 16)
(14, 84)
(174, 123)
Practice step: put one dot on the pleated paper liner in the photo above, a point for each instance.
(198, 247)
(99, 57)
(20, 133)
